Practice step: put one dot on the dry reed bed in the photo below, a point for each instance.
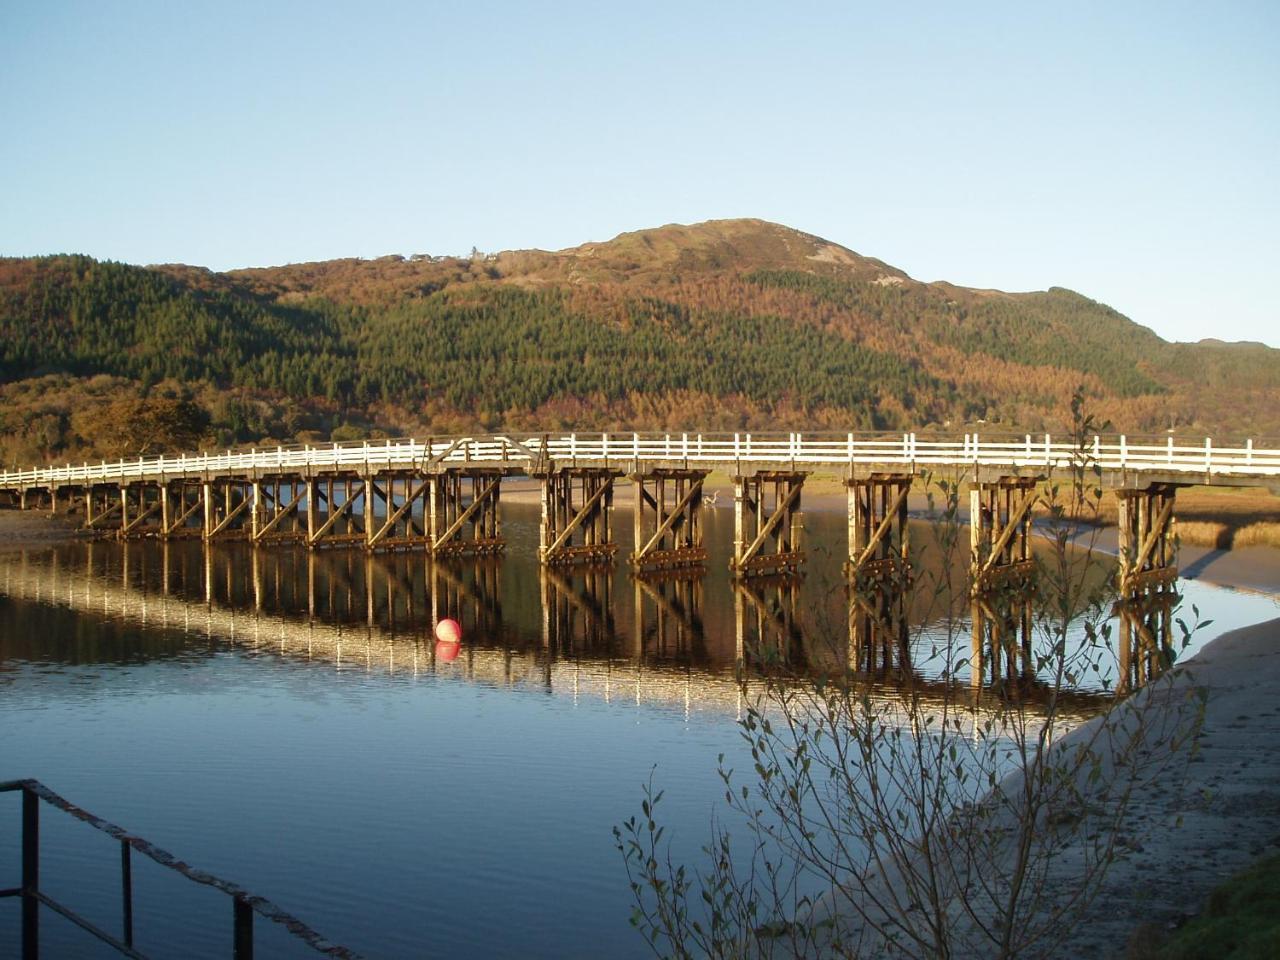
(1216, 517)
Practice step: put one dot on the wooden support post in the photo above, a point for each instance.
(313, 515)
(207, 496)
(462, 508)
(879, 538)
(166, 518)
(674, 538)
(1148, 545)
(767, 540)
(370, 507)
(574, 527)
(255, 512)
(1000, 532)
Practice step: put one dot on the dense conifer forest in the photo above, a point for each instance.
(725, 325)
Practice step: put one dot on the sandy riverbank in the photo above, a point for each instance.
(1196, 814)
(1184, 839)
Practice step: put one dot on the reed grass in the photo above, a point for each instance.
(1216, 517)
(1257, 535)
(1203, 533)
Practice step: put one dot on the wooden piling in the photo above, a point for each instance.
(766, 535)
(1000, 515)
(1148, 543)
(668, 532)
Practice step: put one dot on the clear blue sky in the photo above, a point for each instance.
(1129, 151)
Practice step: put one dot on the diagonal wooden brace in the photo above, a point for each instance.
(137, 521)
(779, 512)
(1010, 528)
(581, 515)
(1154, 535)
(448, 451)
(112, 508)
(675, 516)
(533, 455)
(469, 512)
(391, 521)
(226, 521)
(186, 514)
(334, 517)
(885, 524)
(281, 513)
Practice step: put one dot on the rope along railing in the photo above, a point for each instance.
(244, 904)
(800, 449)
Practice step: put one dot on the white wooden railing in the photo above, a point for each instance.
(801, 450)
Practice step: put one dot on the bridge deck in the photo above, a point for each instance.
(1122, 462)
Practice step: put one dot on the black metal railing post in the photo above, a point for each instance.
(244, 904)
(242, 933)
(126, 891)
(30, 874)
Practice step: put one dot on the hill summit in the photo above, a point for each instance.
(729, 324)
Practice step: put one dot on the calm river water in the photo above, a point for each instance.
(286, 721)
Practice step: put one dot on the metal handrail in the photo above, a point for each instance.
(244, 904)
(799, 449)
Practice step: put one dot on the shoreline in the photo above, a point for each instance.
(1196, 814)
(1217, 816)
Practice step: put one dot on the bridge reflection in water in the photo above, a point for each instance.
(577, 634)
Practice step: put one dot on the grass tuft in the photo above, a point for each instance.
(1241, 922)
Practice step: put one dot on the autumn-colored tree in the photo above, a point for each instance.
(145, 426)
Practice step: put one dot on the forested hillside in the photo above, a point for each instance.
(725, 325)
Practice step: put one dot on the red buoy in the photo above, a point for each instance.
(449, 631)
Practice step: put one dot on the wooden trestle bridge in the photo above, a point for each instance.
(442, 495)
